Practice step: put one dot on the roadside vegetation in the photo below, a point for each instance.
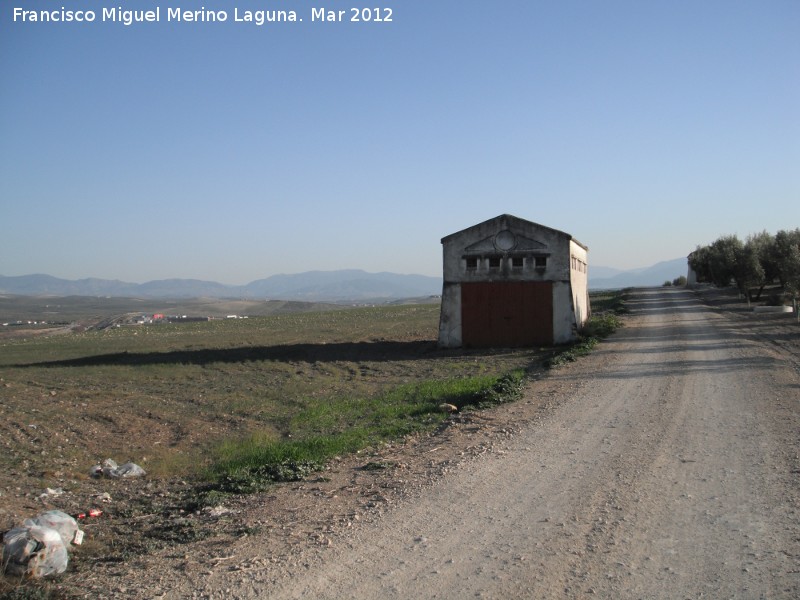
(761, 260)
(347, 425)
(607, 308)
(677, 282)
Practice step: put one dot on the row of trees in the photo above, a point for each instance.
(761, 260)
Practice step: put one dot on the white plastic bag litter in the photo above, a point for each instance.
(33, 551)
(130, 470)
(109, 468)
(65, 525)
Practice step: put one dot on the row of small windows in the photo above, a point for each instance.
(516, 262)
(578, 265)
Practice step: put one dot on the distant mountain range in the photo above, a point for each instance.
(314, 286)
(607, 278)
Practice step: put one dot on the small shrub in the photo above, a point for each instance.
(507, 389)
(572, 353)
(255, 478)
(598, 327)
(602, 325)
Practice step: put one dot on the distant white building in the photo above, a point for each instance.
(691, 274)
(511, 282)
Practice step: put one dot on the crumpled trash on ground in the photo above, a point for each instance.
(32, 551)
(38, 548)
(109, 468)
(216, 511)
(51, 493)
(64, 524)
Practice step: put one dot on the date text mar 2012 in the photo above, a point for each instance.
(376, 15)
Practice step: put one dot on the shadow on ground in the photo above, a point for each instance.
(345, 351)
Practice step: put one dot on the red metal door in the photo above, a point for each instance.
(507, 313)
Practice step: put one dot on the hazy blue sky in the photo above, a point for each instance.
(231, 151)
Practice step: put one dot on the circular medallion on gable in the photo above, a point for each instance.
(505, 240)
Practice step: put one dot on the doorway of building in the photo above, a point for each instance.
(507, 313)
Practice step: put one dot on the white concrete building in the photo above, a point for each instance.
(511, 282)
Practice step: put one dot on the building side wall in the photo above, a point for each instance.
(579, 282)
(450, 316)
(563, 316)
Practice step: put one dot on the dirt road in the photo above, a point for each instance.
(668, 469)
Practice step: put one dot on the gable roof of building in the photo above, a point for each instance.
(509, 220)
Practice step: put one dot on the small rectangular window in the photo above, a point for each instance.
(472, 263)
(494, 262)
(541, 262)
(517, 262)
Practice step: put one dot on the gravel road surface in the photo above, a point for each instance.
(667, 467)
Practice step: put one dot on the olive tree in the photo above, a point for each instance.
(787, 253)
(722, 259)
(753, 264)
(699, 261)
(762, 245)
(747, 270)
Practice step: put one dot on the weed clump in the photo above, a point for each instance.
(507, 388)
(597, 328)
(246, 480)
(601, 326)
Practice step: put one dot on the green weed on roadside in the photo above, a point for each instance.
(599, 326)
(344, 426)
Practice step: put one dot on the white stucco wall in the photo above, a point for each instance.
(450, 316)
(579, 281)
(691, 274)
(563, 317)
